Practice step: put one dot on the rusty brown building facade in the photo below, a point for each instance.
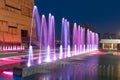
(15, 21)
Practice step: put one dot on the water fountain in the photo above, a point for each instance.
(83, 40)
(68, 54)
(68, 40)
(87, 40)
(78, 40)
(80, 48)
(96, 40)
(65, 37)
(62, 37)
(44, 35)
(61, 52)
(30, 56)
(46, 38)
(75, 38)
(48, 55)
(34, 16)
(75, 50)
(51, 35)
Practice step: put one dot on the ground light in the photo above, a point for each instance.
(7, 73)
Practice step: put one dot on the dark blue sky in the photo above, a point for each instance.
(103, 15)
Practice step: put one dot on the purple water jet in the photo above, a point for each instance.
(35, 17)
(51, 34)
(65, 38)
(75, 38)
(30, 56)
(69, 54)
(61, 52)
(48, 54)
(78, 40)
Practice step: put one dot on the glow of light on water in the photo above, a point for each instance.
(80, 49)
(30, 56)
(69, 51)
(87, 48)
(48, 55)
(75, 50)
(90, 48)
(54, 57)
(39, 60)
(8, 73)
(84, 48)
(61, 52)
(28, 64)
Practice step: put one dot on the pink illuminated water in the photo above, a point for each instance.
(75, 38)
(9, 73)
(12, 48)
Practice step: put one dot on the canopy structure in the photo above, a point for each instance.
(110, 44)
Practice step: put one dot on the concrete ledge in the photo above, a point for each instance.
(42, 68)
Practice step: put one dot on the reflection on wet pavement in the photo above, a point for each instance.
(98, 67)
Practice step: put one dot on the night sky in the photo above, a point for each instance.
(103, 15)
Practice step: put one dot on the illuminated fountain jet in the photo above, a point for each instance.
(48, 55)
(61, 52)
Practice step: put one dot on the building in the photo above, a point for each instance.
(110, 44)
(15, 21)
